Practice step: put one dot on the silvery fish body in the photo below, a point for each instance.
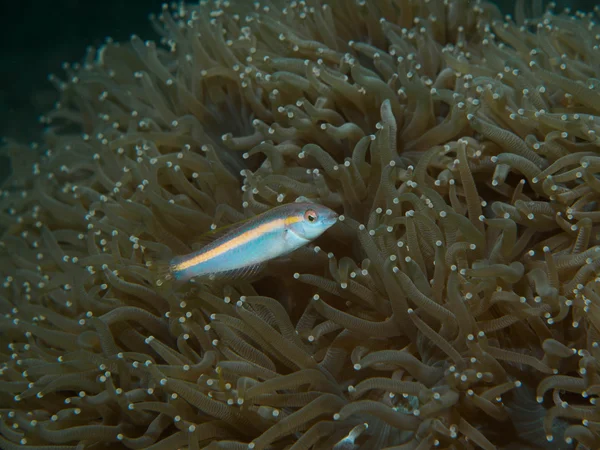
(245, 247)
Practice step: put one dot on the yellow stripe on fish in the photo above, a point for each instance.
(233, 243)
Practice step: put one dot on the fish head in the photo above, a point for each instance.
(312, 220)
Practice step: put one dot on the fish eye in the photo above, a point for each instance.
(310, 215)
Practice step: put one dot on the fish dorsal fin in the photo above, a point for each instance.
(212, 235)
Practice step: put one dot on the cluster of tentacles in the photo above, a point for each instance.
(458, 295)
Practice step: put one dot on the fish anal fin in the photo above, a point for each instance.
(246, 273)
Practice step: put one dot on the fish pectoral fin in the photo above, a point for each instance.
(291, 235)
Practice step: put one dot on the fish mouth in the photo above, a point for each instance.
(331, 218)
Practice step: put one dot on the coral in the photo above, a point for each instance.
(458, 296)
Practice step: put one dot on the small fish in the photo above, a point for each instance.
(244, 248)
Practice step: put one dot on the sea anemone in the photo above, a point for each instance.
(457, 297)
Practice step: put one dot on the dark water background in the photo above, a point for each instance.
(37, 36)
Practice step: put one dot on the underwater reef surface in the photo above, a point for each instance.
(456, 304)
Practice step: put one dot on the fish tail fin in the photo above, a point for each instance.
(163, 275)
